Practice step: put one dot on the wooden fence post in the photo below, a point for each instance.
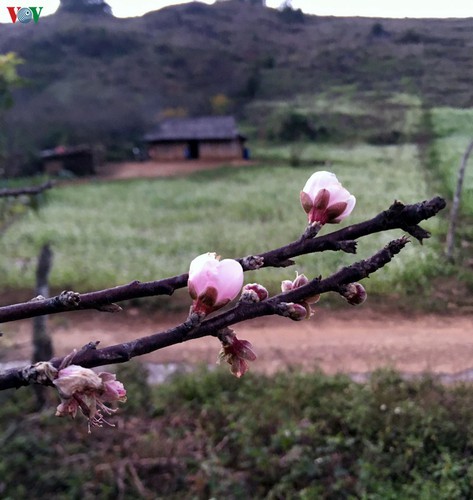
(42, 344)
(450, 243)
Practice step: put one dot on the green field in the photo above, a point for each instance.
(108, 233)
(453, 131)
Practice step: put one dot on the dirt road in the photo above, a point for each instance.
(151, 169)
(352, 340)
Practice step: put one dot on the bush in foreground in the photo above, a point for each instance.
(289, 436)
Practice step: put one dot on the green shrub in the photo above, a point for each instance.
(291, 435)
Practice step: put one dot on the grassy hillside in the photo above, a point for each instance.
(102, 79)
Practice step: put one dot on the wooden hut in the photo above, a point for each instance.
(79, 160)
(206, 138)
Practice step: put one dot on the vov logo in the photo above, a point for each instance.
(24, 14)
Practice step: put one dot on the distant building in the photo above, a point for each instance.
(206, 138)
(79, 160)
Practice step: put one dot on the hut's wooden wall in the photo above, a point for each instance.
(208, 150)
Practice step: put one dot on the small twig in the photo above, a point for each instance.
(450, 242)
(29, 190)
(139, 486)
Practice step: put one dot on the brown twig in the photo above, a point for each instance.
(29, 190)
(90, 356)
(398, 216)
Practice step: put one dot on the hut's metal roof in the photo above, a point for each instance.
(200, 128)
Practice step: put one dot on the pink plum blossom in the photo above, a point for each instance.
(75, 379)
(113, 389)
(236, 353)
(288, 285)
(325, 200)
(213, 283)
(82, 388)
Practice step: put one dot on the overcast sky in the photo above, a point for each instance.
(370, 8)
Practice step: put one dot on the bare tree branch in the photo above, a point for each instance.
(398, 216)
(29, 190)
(90, 356)
(450, 242)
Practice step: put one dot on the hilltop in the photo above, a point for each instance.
(106, 79)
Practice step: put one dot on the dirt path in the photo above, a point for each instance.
(351, 340)
(150, 169)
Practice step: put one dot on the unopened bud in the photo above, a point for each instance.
(253, 292)
(296, 312)
(213, 283)
(325, 200)
(354, 293)
(252, 262)
(288, 285)
(301, 280)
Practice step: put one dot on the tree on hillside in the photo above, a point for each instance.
(289, 15)
(252, 2)
(9, 81)
(85, 7)
(220, 104)
(9, 78)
